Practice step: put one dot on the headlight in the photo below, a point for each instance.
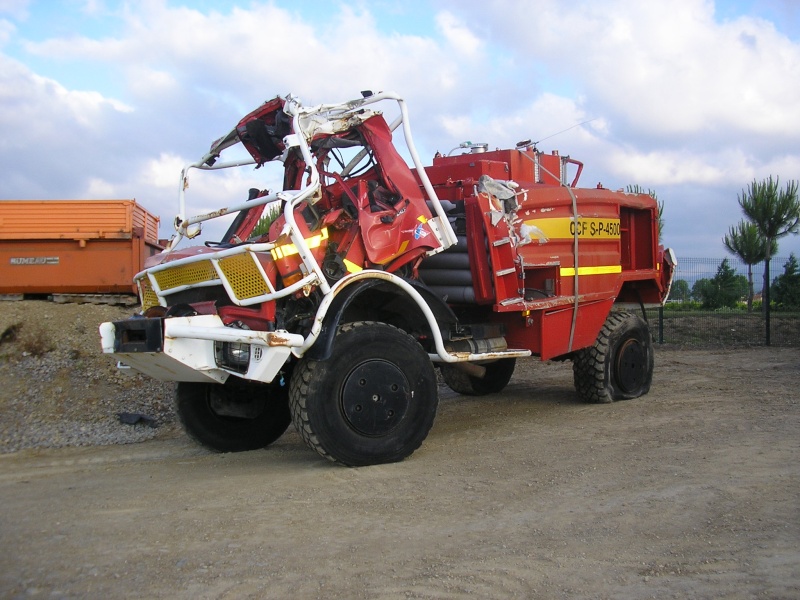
(233, 356)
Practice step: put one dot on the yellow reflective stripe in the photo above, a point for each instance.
(315, 241)
(352, 267)
(605, 270)
(588, 227)
(403, 246)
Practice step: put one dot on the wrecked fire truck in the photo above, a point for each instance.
(375, 274)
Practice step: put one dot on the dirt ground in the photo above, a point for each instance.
(690, 492)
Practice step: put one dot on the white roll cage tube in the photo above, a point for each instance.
(305, 126)
(441, 355)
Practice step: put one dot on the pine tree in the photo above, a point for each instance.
(745, 241)
(775, 213)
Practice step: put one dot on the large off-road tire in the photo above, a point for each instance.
(619, 365)
(233, 417)
(372, 402)
(498, 374)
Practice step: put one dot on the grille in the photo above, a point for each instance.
(243, 275)
(146, 294)
(190, 274)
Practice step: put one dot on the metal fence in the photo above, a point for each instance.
(683, 323)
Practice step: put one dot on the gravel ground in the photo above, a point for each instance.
(692, 491)
(58, 389)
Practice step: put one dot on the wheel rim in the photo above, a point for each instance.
(631, 365)
(375, 397)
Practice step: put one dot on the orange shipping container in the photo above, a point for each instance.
(74, 246)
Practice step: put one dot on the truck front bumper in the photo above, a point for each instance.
(198, 348)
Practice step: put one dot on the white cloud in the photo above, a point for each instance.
(93, 7)
(100, 189)
(6, 31)
(685, 102)
(14, 8)
(35, 101)
(266, 49)
(458, 35)
(146, 82)
(547, 116)
(675, 98)
(666, 68)
(85, 105)
(666, 167)
(164, 171)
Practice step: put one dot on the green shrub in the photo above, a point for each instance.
(687, 306)
(264, 223)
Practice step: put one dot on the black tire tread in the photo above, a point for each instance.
(589, 364)
(304, 373)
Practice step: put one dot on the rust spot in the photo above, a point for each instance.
(278, 340)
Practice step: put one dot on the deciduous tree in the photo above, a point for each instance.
(680, 290)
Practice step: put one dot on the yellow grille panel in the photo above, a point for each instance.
(148, 296)
(190, 274)
(243, 274)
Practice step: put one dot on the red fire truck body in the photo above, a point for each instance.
(375, 273)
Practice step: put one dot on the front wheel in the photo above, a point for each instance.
(372, 402)
(619, 365)
(233, 417)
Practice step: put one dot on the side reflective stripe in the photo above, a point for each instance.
(315, 241)
(564, 228)
(606, 270)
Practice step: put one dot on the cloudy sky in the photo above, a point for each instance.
(693, 99)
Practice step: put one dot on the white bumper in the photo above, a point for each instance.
(183, 348)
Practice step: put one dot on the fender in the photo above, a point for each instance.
(319, 346)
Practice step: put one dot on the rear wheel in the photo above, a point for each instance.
(233, 417)
(496, 377)
(373, 401)
(619, 365)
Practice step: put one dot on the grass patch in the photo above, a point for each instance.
(35, 341)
